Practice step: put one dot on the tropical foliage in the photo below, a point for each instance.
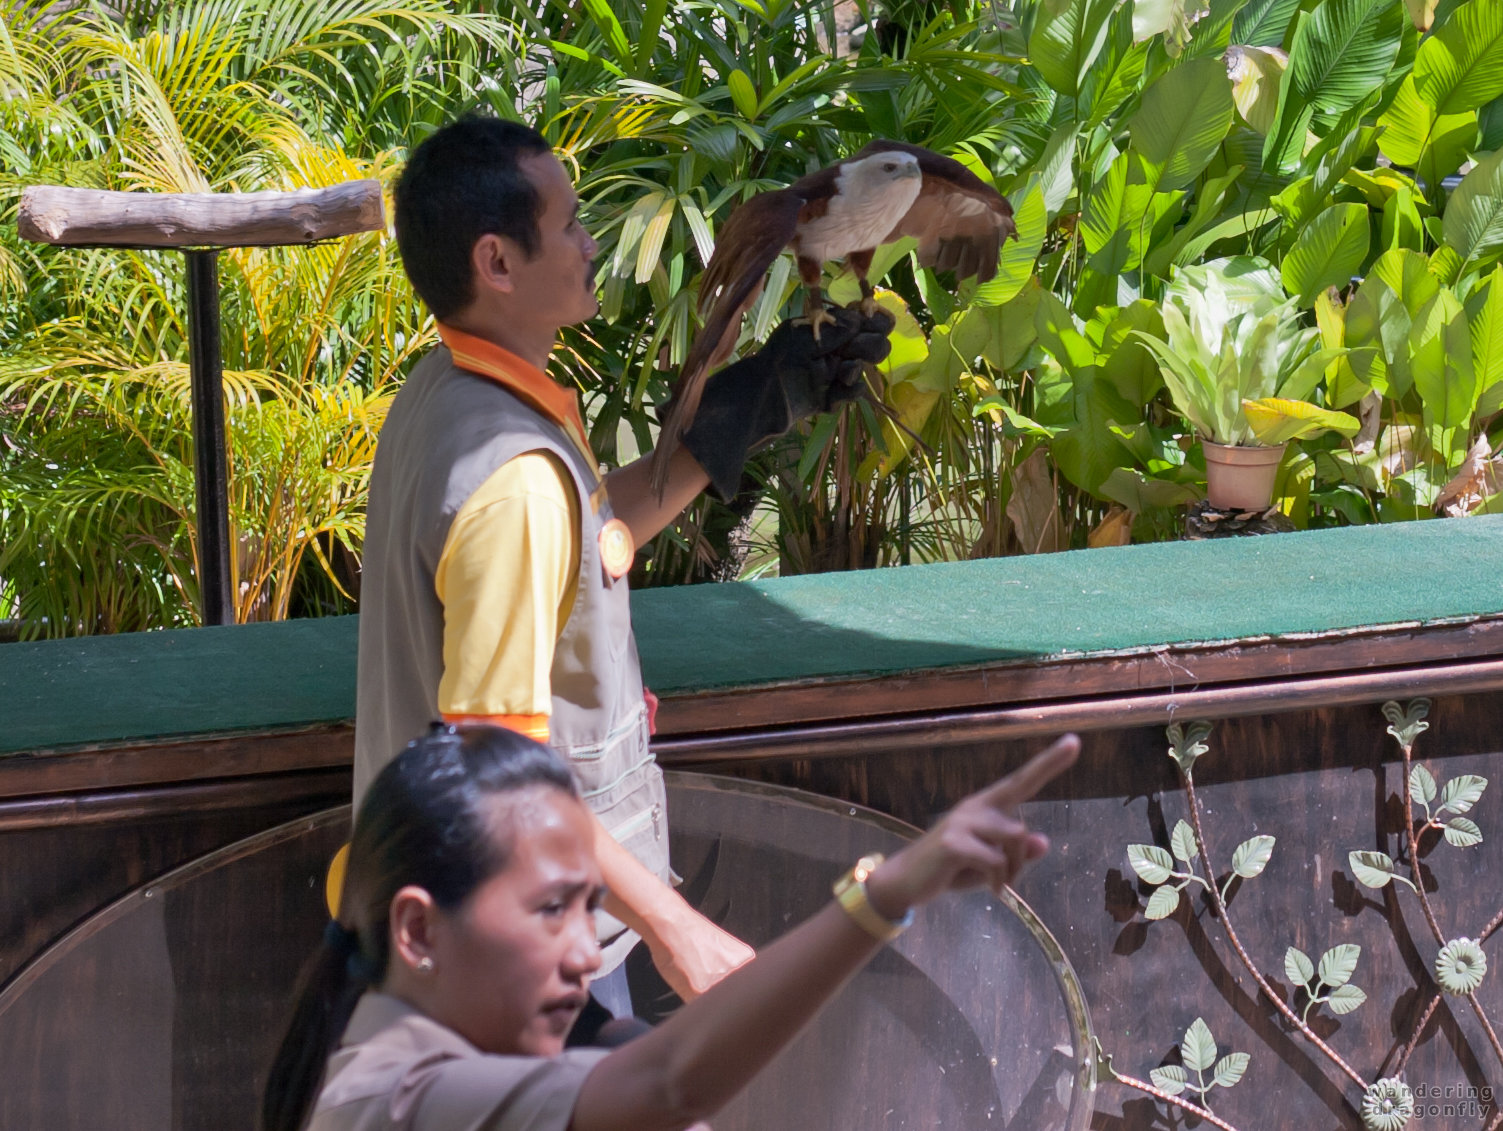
(1337, 140)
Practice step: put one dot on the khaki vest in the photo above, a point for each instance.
(447, 431)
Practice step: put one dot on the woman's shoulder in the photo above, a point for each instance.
(399, 1070)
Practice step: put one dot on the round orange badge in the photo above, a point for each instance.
(616, 548)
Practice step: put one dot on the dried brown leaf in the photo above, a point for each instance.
(1034, 506)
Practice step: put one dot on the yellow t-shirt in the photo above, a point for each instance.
(507, 578)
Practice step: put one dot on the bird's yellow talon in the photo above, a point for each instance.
(817, 318)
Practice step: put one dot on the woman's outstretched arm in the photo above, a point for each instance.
(690, 1066)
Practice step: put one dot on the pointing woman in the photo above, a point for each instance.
(441, 998)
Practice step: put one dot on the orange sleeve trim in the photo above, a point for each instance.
(533, 726)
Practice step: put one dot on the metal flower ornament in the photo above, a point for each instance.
(1435, 810)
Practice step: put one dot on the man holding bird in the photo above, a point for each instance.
(494, 584)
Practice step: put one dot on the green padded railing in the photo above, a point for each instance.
(144, 685)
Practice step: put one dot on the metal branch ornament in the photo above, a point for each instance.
(887, 191)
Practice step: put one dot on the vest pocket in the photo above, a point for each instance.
(634, 811)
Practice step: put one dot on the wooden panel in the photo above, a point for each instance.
(1323, 781)
(180, 760)
(63, 859)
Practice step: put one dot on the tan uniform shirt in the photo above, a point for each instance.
(398, 1070)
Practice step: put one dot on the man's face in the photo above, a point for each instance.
(556, 287)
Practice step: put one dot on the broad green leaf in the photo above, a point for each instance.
(1263, 23)
(1137, 492)
(1210, 198)
(1338, 964)
(1417, 137)
(1402, 225)
(1114, 223)
(1372, 869)
(1059, 335)
(1170, 1079)
(1276, 420)
(1460, 65)
(1150, 862)
(1297, 203)
(1473, 221)
(1124, 361)
(1182, 120)
(1461, 793)
(1182, 841)
(1016, 264)
(1379, 320)
(1162, 902)
(1009, 329)
(1297, 967)
(1422, 783)
(1463, 833)
(1198, 1049)
(1343, 51)
(1256, 73)
(743, 94)
(1089, 451)
(1231, 1068)
(1440, 347)
(1344, 999)
(1327, 253)
(1485, 318)
(1284, 143)
(1118, 73)
(1056, 168)
(1336, 160)
(1066, 40)
(1252, 856)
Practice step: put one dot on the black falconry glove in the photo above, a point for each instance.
(791, 378)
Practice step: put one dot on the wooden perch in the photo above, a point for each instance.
(95, 218)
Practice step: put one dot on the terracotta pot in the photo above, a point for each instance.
(1239, 478)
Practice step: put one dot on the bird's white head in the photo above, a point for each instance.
(879, 175)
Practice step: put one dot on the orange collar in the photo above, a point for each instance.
(528, 382)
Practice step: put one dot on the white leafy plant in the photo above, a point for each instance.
(1198, 1051)
(1237, 362)
(1155, 865)
(1330, 982)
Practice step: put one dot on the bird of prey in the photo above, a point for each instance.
(885, 192)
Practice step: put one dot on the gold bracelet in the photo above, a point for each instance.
(850, 893)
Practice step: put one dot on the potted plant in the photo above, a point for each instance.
(1239, 366)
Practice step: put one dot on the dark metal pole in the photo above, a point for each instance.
(211, 479)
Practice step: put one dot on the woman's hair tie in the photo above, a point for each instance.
(339, 938)
(345, 942)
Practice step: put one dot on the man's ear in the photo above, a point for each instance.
(491, 260)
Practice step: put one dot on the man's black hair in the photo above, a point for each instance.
(461, 183)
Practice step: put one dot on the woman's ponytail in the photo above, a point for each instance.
(330, 985)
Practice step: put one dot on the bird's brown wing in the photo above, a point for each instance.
(959, 220)
(752, 237)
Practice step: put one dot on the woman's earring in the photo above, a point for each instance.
(425, 965)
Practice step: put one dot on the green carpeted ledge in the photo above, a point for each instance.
(106, 689)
